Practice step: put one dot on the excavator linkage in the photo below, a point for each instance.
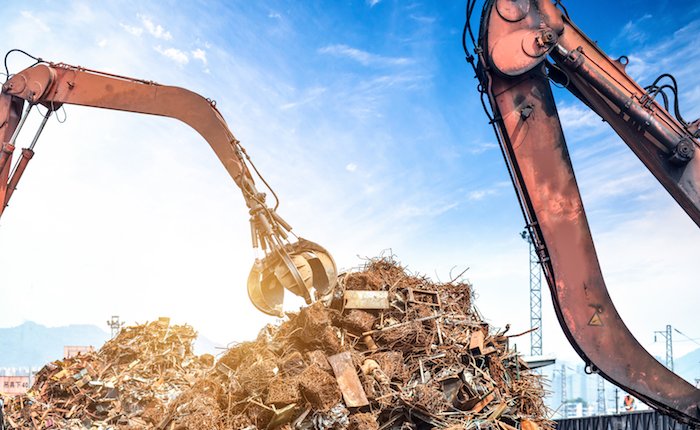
(516, 40)
(302, 267)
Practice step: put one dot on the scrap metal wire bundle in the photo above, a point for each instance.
(389, 351)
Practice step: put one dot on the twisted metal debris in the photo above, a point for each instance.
(390, 351)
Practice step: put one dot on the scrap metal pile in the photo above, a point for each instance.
(388, 351)
(129, 383)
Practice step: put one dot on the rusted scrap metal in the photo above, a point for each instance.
(424, 297)
(129, 382)
(424, 361)
(348, 381)
(366, 299)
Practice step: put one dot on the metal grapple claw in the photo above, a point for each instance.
(304, 268)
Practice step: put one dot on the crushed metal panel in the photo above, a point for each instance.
(360, 299)
(348, 381)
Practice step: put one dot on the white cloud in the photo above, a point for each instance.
(168, 217)
(478, 195)
(373, 3)
(575, 117)
(351, 167)
(102, 43)
(155, 30)
(481, 147)
(634, 31)
(199, 54)
(309, 96)
(424, 210)
(274, 15)
(134, 31)
(422, 19)
(637, 67)
(38, 23)
(174, 54)
(363, 57)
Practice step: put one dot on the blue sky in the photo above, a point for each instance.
(365, 118)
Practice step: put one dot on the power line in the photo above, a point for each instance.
(687, 337)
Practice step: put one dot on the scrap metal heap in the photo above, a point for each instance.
(390, 351)
(128, 383)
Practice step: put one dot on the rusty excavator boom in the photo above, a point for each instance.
(521, 46)
(302, 267)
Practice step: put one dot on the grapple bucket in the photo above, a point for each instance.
(303, 268)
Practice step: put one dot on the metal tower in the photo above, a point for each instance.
(115, 325)
(564, 394)
(669, 345)
(535, 297)
(562, 374)
(601, 396)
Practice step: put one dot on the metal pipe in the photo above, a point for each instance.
(27, 155)
(34, 140)
(6, 154)
(41, 128)
(20, 125)
(575, 62)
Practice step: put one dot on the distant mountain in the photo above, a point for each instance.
(688, 366)
(34, 345)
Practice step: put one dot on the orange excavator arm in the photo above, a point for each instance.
(303, 267)
(521, 45)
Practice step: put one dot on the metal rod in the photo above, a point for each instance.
(41, 128)
(36, 136)
(21, 124)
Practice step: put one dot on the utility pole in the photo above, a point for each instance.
(617, 400)
(601, 396)
(562, 374)
(115, 325)
(535, 297)
(669, 345)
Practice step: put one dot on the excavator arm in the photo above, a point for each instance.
(522, 44)
(303, 267)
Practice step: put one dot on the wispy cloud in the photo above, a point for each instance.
(426, 209)
(174, 54)
(310, 95)
(580, 123)
(38, 23)
(373, 3)
(200, 54)
(147, 24)
(481, 147)
(133, 30)
(477, 195)
(422, 19)
(155, 30)
(575, 117)
(363, 57)
(635, 31)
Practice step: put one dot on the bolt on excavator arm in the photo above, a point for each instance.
(303, 267)
(522, 44)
